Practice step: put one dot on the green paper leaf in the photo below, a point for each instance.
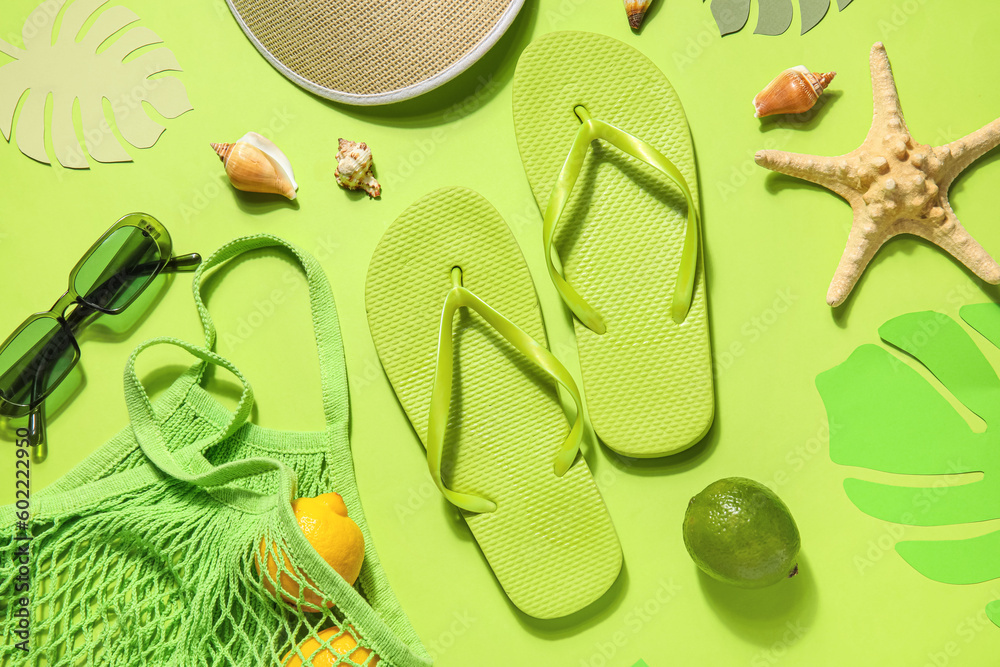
(774, 17)
(730, 15)
(886, 416)
(970, 561)
(813, 12)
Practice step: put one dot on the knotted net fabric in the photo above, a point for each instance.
(155, 549)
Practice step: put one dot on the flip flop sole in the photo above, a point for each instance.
(550, 543)
(648, 380)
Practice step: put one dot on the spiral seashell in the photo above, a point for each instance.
(255, 164)
(354, 168)
(793, 91)
(636, 12)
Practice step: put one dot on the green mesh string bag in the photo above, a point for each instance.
(151, 551)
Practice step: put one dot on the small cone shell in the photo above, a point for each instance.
(793, 91)
(252, 170)
(636, 12)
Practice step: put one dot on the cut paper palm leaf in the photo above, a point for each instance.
(74, 71)
(776, 19)
(774, 16)
(889, 418)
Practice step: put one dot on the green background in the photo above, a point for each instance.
(772, 244)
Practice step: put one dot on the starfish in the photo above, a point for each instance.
(894, 185)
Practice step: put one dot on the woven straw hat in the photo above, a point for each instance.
(373, 51)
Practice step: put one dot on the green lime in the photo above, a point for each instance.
(738, 531)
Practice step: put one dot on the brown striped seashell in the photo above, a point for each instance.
(255, 164)
(793, 91)
(636, 12)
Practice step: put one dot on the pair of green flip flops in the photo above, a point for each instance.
(455, 319)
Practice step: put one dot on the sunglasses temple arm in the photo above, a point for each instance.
(188, 262)
(36, 427)
(36, 419)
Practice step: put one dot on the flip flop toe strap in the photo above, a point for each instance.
(592, 129)
(460, 297)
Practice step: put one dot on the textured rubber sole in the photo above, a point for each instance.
(648, 380)
(550, 543)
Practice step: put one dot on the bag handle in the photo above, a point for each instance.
(326, 325)
(189, 463)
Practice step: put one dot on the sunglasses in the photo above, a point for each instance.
(108, 279)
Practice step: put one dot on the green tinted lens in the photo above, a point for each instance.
(35, 361)
(118, 269)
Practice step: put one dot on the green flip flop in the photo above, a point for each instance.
(606, 149)
(456, 323)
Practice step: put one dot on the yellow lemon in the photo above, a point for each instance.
(333, 535)
(340, 647)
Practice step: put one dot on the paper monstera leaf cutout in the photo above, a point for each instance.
(73, 71)
(889, 418)
(774, 16)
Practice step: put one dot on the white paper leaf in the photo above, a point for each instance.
(73, 71)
